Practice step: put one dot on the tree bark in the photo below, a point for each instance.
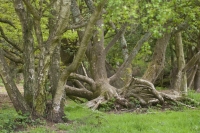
(128, 71)
(56, 116)
(158, 60)
(197, 76)
(191, 76)
(181, 79)
(11, 88)
(28, 42)
(54, 72)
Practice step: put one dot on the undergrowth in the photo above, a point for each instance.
(11, 121)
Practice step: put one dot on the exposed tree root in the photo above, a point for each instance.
(94, 104)
(141, 90)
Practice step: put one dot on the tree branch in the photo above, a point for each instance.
(10, 42)
(78, 58)
(82, 78)
(32, 10)
(12, 57)
(86, 38)
(131, 57)
(150, 87)
(76, 62)
(49, 5)
(11, 88)
(90, 5)
(75, 26)
(115, 38)
(72, 91)
(7, 22)
(180, 27)
(38, 32)
(192, 62)
(78, 83)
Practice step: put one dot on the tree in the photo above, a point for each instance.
(181, 79)
(32, 18)
(44, 26)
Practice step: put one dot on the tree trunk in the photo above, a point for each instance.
(97, 57)
(158, 60)
(54, 72)
(197, 76)
(56, 107)
(181, 79)
(127, 74)
(28, 42)
(143, 93)
(11, 88)
(197, 79)
(191, 76)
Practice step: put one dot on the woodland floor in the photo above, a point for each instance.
(5, 100)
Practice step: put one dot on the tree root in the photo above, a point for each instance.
(122, 103)
(145, 93)
(94, 104)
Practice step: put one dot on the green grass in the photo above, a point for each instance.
(88, 121)
(7, 119)
(193, 95)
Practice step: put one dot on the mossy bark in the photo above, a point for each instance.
(28, 54)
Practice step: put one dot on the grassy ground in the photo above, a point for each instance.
(181, 120)
(88, 121)
(185, 121)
